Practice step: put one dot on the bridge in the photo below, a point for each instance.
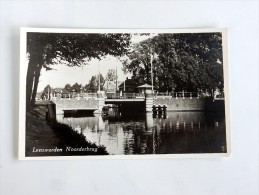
(147, 99)
(144, 101)
(95, 103)
(124, 98)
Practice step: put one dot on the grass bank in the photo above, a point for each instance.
(45, 138)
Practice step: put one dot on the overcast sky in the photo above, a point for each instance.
(62, 75)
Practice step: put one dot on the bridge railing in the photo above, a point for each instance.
(163, 95)
(125, 96)
(74, 96)
(177, 95)
(189, 95)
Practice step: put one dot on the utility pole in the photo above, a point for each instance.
(49, 92)
(99, 87)
(116, 80)
(124, 84)
(151, 62)
(81, 87)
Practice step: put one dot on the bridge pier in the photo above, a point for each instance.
(51, 114)
(149, 100)
(101, 100)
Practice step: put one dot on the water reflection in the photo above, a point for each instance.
(144, 133)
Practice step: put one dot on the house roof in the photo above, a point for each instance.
(145, 86)
(111, 85)
(58, 90)
(128, 83)
(119, 83)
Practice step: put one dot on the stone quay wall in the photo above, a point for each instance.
(82, 103)
(172, 103)
(189, 104)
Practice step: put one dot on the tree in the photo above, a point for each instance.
(185, 61)
(111, 75)
(76, 88)
(71, 49)
(93, 85)
(46, 91)
(68, 88)
(139, 63)
(101, 81)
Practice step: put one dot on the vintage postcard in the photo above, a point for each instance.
(123, 93)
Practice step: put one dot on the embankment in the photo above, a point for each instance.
(55, 139)
(194, 104)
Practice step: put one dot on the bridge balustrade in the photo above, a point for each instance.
(125, 96)
(177, 95)
(74, 96)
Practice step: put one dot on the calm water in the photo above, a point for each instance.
(143, 133)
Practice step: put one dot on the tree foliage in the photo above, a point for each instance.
(67, 88)
(46, 91)
(93, 85)
(111, 75)
(180, 61)
(140, 62)
(71, 49)
(76, 88)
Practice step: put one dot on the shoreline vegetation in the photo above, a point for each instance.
(51, 138)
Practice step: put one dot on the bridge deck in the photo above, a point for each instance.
(124, 100)
(86, 109)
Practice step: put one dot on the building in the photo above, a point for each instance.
(110, 86)
(143, 88)
(128, 86)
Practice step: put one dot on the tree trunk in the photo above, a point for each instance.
(29, 82)
(33, 74)
(35, 85)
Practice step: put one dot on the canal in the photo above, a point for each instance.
(144, 133)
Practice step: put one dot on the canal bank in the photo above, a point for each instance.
(50, 138)
(191, 104)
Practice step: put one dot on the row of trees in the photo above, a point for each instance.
(187, 61)
(91, 86)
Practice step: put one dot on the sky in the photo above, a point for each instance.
(62, 75)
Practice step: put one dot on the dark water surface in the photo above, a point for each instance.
(143, 133)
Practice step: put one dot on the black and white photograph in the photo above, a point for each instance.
(123, 93)
(129, 97)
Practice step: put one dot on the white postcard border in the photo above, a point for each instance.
(22, 93)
